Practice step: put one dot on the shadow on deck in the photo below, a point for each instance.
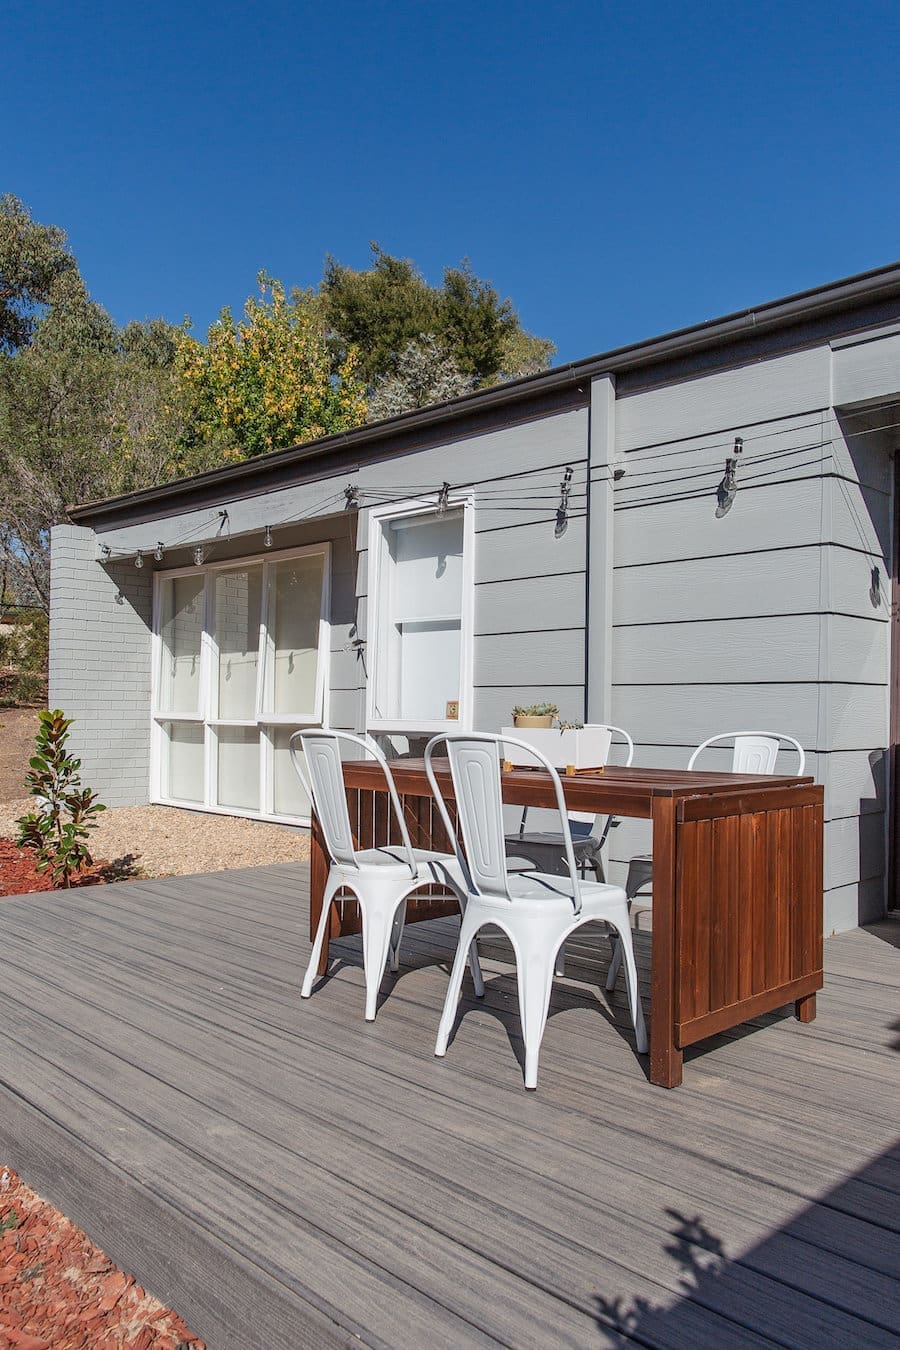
(286, 1175)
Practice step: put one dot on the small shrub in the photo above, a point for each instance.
(34, 644)
(60, 844)
(28, 688)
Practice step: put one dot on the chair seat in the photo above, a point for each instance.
(392, 858)
(545, 849)
(584, 845)
(546, 893)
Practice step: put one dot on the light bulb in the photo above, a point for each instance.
(139, 558)
(158, 552)
(199, 555)
(267, 537)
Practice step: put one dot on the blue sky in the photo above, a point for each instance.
(619, 170)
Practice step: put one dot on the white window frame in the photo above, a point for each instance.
(264, 723)
(378, 614)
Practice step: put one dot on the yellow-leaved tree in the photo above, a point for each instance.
(269, 380)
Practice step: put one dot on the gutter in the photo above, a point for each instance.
(882, 283)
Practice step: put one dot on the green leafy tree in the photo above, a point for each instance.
(424, 374)
(33, 259)
(474, 323)
(379, 311)
(85, 412)
(268, 380)
(389, 310)
(59, 829)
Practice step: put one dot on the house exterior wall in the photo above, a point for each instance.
(767, 618)
(100, 664)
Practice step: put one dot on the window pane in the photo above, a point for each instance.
(183, 776)
(237, 605)
(419, 645)
(295, 606)
(181, 627)
(429, 669)
(290, 798)
(238, 776)
(427, 554)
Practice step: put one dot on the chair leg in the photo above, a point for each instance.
(475, 967)
(397, 936)
(468, 928)
(379, 918)
(332, 886)
(625, 952)
(615, 964)
(536, 958)
(559, 967)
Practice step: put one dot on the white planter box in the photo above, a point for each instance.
(585, 747)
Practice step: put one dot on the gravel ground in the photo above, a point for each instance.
(167, 841)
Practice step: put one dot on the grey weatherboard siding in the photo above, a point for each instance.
(767, 618)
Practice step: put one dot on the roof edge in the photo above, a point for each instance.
(818, 301)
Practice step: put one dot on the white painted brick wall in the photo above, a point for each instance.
(100, 621)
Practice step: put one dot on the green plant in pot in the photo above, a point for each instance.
(535, 715)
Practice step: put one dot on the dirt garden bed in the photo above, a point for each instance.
(148, 841)
(158, 841)
(58, 1291)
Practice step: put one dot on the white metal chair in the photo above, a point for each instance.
(754, 752)
(544, 850)
(536, 910)
(380, 878)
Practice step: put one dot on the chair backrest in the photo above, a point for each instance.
(324, 784)
(754, 751)
(475, 770)
(580, 819)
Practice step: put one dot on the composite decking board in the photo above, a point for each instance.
(575, 998)
(789, 1041)
(471, 1107)
(788, 1046)
(846, 1277)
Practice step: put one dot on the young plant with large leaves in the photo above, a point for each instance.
(58, 830)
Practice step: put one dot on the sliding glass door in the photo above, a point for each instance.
(240, 664)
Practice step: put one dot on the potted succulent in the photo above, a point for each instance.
(535, 715)
(566, 745)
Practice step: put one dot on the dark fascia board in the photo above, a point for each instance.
(872, 297)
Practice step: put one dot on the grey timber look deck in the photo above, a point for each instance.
(286, 1175)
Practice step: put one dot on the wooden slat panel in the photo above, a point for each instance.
(751, 881)
(720, 1019)
(694, 864)
(381, 808)
(366, 818)
(721, 830)
(780, 871)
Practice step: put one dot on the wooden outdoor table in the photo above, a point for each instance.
(737, 883)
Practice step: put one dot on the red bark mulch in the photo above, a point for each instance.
(60, 1292)
(19, 874)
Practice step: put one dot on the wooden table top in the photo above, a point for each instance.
(623, 791)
